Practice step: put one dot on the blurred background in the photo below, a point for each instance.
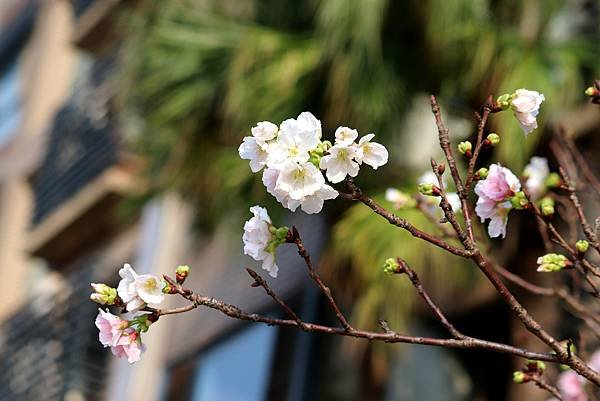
(119, 127)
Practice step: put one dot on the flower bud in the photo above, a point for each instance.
(534, 365)
(167, 289)
(553, 180)
(465, 148)
(519, 201)
(582, 246)
(590, 91)
(504, 101)
(493, 139)
(547, 206)
(326, 146)
(519, 377)
(181, 273)
(428, 189)
(482, 173)
(552, 262)
(103, 294)
(391, 266)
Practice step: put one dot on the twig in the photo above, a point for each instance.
(445, 144)
(585, 226)
(389, 336)
(582, 163)
(416, 282)
(294, 237)
(357, 194)
(541, 383)
(258, 280)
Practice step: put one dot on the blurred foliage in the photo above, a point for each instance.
(200, 73)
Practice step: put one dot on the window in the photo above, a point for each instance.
(10, 102)
(237, 369)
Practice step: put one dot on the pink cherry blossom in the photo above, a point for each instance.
(110, 327)
(571, 386)
(129, 345)
(123, 340)
(494, 193)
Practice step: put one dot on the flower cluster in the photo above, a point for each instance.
(293, 156)
(261, 239)
(133, 293)
(497, 194)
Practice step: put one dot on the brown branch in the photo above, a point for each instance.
(357, 194)
(259, 281)
(541, 383)
(580, 161)
(416, 282)
(447, 208)
(389, 336)
(445, 144)
(478, 145)
(294, 237)
(585, 226)
(576, 308)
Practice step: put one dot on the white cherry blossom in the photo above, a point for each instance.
(137, 290)
(257, 236)
(526, 106)
(345, 136)
(264, 131)
(536, 173)
(297, 137)
(149, 288)
(251, 149)
(299, 180)
(372, 153)
(339, 162)
(312, 204)
(269, 179)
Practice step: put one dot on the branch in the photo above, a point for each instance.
(541, 383)
(580, 161)
(416, 282)
(585, 226)
(294, 237)
(357, 194)
(445, 144)
(576, 308)
(389, 336)
(259, 281)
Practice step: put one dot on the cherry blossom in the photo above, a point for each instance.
(314, 203)
(116, 333)
(339, 163)
(494, 198)
(536, 173)
(264, 131)
(372, 153)
(258, 238)
(345, 136)
(251, 149)
(299, 180)
(526, 106)
(138, 290)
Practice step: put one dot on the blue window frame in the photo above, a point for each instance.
(10, 102)
(237, 368)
